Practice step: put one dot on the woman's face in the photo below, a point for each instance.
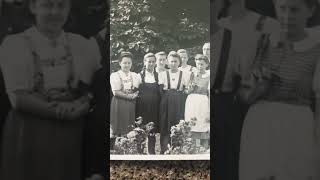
(161, 61)
(184, 57)
(150, 63)
(201, 65)
(292, 14)
(206, 50)
(126, 64)
(50, 14)
(173, 62)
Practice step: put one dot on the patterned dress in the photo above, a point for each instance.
(277, 139)
(34, 147)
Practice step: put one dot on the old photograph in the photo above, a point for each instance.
(51, 63)
(265, 89)
(160, 79)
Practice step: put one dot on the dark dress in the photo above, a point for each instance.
(171, 111)
(149, 101)
(122, 111)
(35, 147)
(148, 106)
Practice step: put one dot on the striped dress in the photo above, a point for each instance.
(277, 138)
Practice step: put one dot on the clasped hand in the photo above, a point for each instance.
(70, 110)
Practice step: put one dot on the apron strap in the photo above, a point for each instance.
(156, 76)
(179, 82)
(38, 84)
(224, 58)
(168, 79)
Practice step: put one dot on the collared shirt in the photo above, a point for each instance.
(148, 78)
(245, 35)
(174, 79)
(296, 69)
(16, 56)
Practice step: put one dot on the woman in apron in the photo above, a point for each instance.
(197, 101)
(149, 98)
(47, 73)
(172, 84)
(124, 85)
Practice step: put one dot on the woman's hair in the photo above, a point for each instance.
(182, 51)
(148, 55)
(125, 54)
(175, 55)
(201, 57)
(161, 53)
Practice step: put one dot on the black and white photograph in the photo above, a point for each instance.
(160, 79)
(53, 91)
(265, 89)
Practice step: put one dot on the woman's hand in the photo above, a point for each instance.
(71, 110)
(134, 95)
(63, 109)
(81, 108)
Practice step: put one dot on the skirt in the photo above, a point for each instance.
(36, 148)
(122, 115)
(277, 141)
(171, 110)
(148, 103)
(197, 106)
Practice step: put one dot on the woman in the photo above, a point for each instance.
(172, 84)
(197, 104)
(277, 140)
(197, 100)
(149, 97)
(161, 62)
(47, 73)
(124, 85)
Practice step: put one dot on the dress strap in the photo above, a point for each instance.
(168, 79)
(38, 84)
(179, 82)
(156, 76)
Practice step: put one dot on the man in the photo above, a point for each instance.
(224, 70)
(247, 28)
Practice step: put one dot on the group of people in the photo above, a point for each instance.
(55, 82)
(265, 92)
(166, 91)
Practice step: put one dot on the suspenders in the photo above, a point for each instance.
(224, 58)
(179, 81)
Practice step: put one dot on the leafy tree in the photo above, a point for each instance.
(142, 26)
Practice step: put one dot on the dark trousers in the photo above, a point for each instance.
(151, 144)
(228, 115)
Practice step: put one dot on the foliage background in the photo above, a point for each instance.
(142, 26)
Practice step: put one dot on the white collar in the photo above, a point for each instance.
(300, 46)
(41, 39)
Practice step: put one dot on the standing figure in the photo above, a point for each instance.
(149, 97)
(197, 101)
(172, 84)
(47, 73)
(124, 85)
(279, 128)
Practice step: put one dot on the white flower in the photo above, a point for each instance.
(132, 134)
